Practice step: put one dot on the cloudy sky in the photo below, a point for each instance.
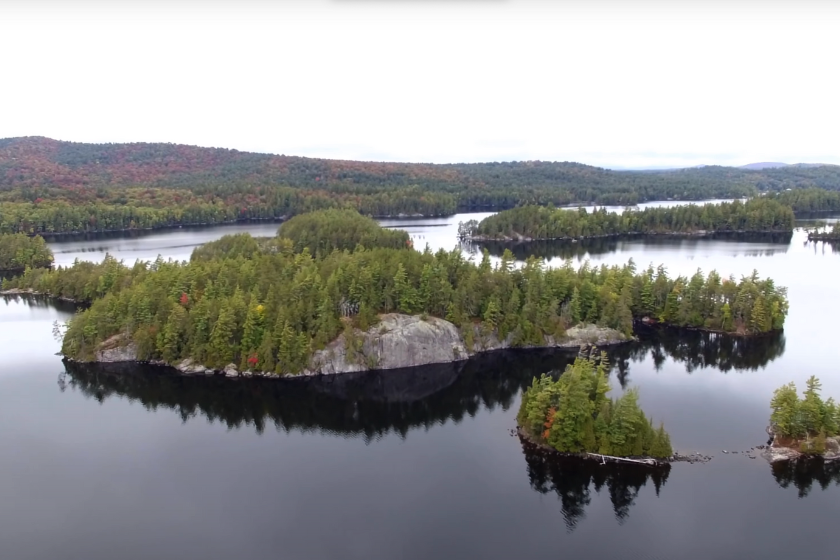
(609, 83)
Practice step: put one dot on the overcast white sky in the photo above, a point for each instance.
(616, 84)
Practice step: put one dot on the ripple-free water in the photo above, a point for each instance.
(136, 464)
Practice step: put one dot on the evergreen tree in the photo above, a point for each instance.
(222, 349)
(759, 318)
(785, 416)
(575, 307)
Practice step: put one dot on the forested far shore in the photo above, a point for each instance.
(573, 414)
(48, 186)
(544, 223)
(19, 251)
(809, 200)
(266, 306)
(131, 209)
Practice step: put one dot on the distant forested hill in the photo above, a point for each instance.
(168, 184)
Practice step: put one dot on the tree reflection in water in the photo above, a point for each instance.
(584, 248)
(574, 478)
(802, 474)
(372, 404)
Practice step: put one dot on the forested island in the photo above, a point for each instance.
(48, 186)
(803, 427)
(826, 234)
(19, 251)
(269, 305)
(545, 223)
(572, 414)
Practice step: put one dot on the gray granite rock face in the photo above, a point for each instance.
(400, 341)
(116, 349)
(189, 367)
(775, 454)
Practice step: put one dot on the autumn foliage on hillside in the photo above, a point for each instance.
(53, 186)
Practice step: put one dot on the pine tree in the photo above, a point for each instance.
(672, 306)
(254, 328)
(493, 313)
(811, 407)
(404, 294)
(647, 302)
(575, 307)
(222, 350)
(171, 338)
(267, 352)
(726, 321)
(759, 319)
(287, 347)
(785, 417)
(425, 295)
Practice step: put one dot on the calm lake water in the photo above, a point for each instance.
(133, 463)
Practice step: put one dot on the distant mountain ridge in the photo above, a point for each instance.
(38, 162)
(777, 165)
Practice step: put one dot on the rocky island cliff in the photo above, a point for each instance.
(397, 341)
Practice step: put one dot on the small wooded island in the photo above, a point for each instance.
(531, 223)
(572, 414)
(806, 427)
(826, 234)
(334, 292)
(19, 251)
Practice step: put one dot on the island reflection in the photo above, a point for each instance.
(372, 404)
(576, 250)
(802, 474)
(573, 480)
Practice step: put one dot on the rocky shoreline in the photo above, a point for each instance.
(677, 457)
(775, 452)
(397, 341)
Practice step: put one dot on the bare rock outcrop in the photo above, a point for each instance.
(118, 348)
(775, 453)
(401, 341)
(398, 341)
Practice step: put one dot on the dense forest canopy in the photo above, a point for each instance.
(809, 200)
(264, 305)
(19, 251)
(572, 414)
(52, 186)
(804, 423)
(539, 222)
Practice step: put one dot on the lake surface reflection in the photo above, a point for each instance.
(134, 463)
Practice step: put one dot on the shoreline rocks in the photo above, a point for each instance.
(649, 462)
(397, 341)
(775, 453)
